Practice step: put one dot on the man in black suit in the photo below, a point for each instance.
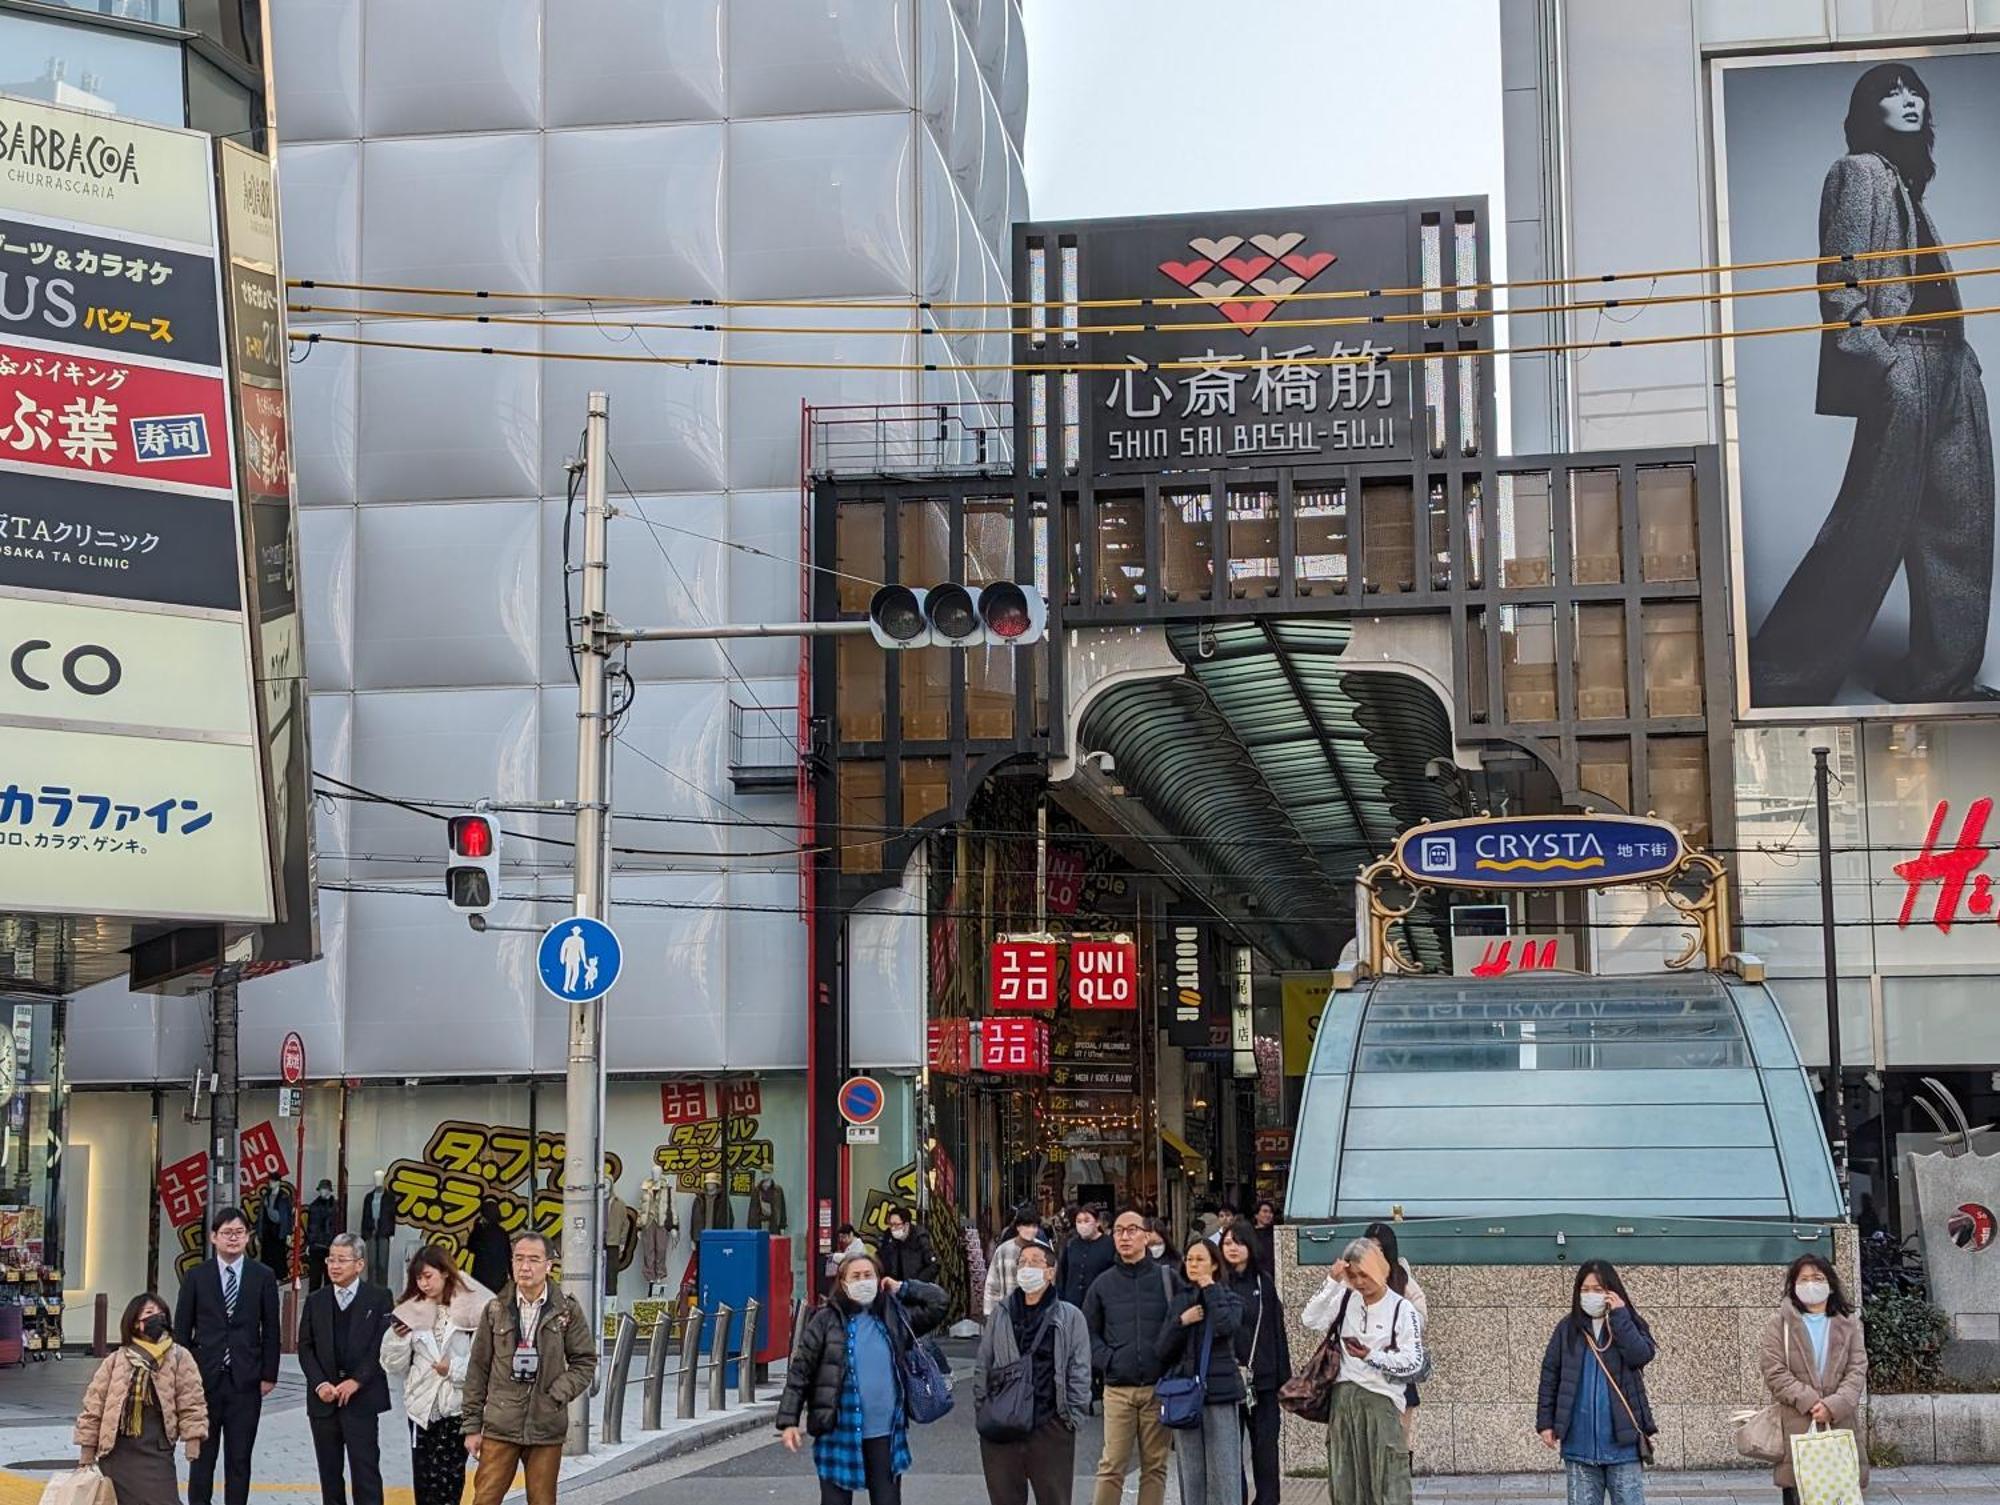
(340, 1349)
(227, 1316)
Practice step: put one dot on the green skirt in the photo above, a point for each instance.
(1367, 1462)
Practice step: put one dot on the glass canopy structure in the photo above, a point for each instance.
(1668, 1095)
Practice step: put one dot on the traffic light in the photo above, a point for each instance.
(950, 616)
(472, 864)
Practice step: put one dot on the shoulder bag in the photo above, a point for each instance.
(1182, 1398)
(926, 1384)
(1007, 1411)
(1308, 1394)
(1645, 1441)
(1247, 1373)
(1760, 1434)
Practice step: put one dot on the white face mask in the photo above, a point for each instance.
(1085, 1228)
(1592, 1303)
(862, 1292)
(1813, 1292)
(1031, 1278)
(1156, 1250)
(899, 1234)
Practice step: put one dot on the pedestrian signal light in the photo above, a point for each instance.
(472, 863)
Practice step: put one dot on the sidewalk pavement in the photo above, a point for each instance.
(38, 1407)
(1931, 1484)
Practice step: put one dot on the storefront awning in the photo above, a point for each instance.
(1181, 1147)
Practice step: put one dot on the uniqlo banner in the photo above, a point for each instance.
(1019, 1046)
(184, 1189)
(100, 418)
(949, 1047)
(1021, 976)
(1103, 975)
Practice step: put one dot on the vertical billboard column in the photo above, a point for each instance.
(132, 786)
(257, 362)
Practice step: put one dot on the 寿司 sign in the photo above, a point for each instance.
(1540, 851)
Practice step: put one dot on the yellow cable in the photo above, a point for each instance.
(1162, 302)
(1461, 315)
(1230, 363)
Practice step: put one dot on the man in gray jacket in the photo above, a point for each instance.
(1027, 1426)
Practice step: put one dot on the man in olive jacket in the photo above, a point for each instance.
(534, 1353)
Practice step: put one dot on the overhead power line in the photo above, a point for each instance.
(1228, 363)
(1651, 274)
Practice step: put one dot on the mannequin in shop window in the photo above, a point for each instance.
(621, 1237)
(658, 1227)
(322, 1223)
(274, 1230)
(378, 1226)
(767, 1207)
(711, 1207)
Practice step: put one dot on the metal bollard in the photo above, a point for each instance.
(718, 1362)
(690, 1363)
(657, 1348)
(612, 1428)
(746, 1368)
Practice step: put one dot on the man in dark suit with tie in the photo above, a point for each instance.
(227, 1316)
(340, 1350)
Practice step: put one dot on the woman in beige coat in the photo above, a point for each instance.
(1814, 1361)
(144, 1398)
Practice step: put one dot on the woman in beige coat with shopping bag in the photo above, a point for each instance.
(144, 1399)
(1815, 1363)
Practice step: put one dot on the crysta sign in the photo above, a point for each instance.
(1540, 851)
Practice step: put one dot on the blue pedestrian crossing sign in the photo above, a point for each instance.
(579, 959)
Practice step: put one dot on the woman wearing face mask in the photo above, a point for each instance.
(1204, 1318)
(907, 1252)
(1159, 1248)
(1593, 1402)
(143, 1399)
(846, 1382)
(1261, 1350)
(1038, 1326)
(1813, 1360)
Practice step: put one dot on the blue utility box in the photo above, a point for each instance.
(735, 1270)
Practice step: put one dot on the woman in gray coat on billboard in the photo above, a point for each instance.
(1918, 493)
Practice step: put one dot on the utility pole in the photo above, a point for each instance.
(1836, 1096)
(222, 1111)
(583, 1140)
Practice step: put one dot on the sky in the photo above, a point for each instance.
(1164, 106)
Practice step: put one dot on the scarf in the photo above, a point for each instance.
(146, 1358)
(420, 1314)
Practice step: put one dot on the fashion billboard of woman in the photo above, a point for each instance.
(1918, 491)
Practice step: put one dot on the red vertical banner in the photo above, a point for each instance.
(1103, 975)
(184, 1189)
(949, 1050)
(260, 1157)
(1021, 976)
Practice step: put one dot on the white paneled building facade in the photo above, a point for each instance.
(612, 158)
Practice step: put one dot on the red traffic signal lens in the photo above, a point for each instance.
(471, 836)
(1005, 607)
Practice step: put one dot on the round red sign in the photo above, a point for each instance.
(292, 1060)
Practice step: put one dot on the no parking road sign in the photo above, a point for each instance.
(579, 959)
(861, 1099)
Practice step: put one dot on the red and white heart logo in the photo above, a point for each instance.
(1234, 272)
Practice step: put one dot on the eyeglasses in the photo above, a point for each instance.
(1128, 1228)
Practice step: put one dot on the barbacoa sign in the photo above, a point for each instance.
(1540, 851)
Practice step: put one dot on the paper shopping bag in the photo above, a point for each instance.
(83, 1486)
(1827, 1466)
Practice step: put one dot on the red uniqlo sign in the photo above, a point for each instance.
(1065, 881)
(260, 1158)
(95, 417)
(1014, 1045)
(1103, 975)
(184, 1189)
(1022, 976)
(950, 1047)
(683, 1102)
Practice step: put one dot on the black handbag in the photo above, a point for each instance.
(926, 1381)
(1006, 1413)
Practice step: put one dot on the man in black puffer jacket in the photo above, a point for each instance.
(1125, 1310)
